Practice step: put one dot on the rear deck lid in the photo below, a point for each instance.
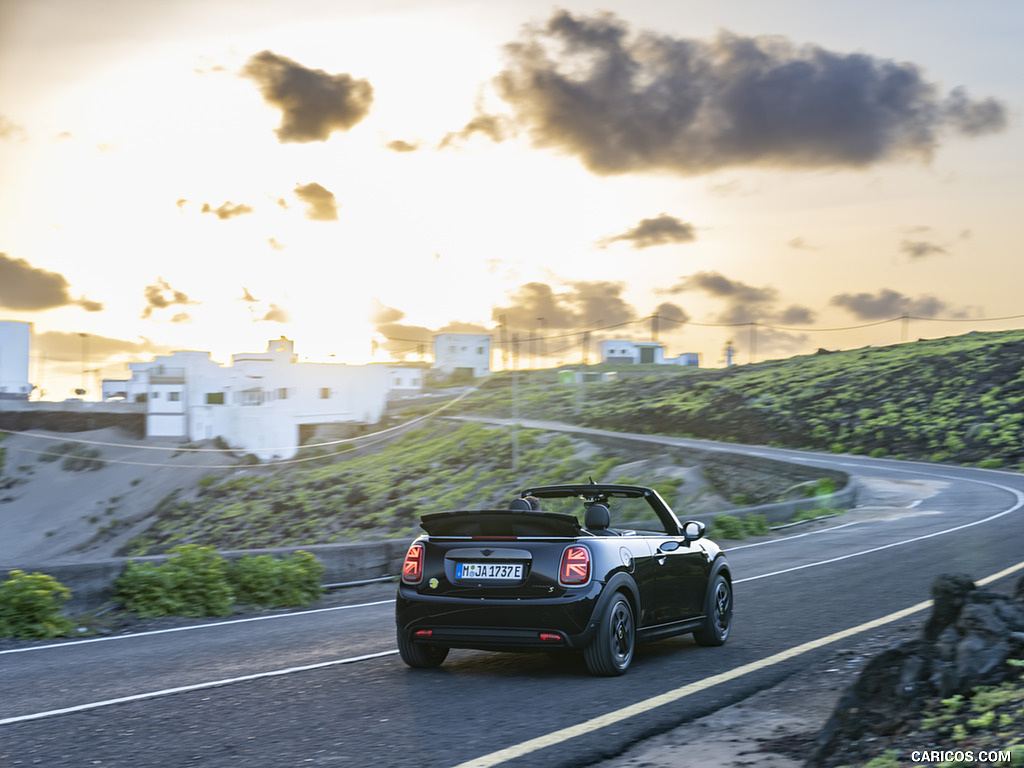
(501, 523)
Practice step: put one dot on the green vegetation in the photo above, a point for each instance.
(195, 581)
(814, 514)
(440, 467)
(991, 718)
(277, 582)
(730, 527)
(954, 400)
(76, 457)
(30, 606)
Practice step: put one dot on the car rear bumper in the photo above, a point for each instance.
(537, 623)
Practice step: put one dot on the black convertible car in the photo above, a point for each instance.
(591, 567)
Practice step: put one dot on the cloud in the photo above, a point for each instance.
(227, 210)
(661, 230)
(10, 130)
(276, 314)
(160, 295)
(800, 244)
(70, 347)
(320, 202)
(887, 304)
(919, 249)
(26, 288)
(582, 305)
(402, 146)
(313, 103)
(744, 303)
(247, 297)
(795, 315)
(401, 339)
(493, 127)
(671, 316)
(630, 101)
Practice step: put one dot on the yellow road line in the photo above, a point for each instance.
(603, 721)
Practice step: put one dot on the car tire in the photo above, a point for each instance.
(611, 652)
(420, 656)
(717, 612)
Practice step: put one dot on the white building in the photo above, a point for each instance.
(15, 340)
(406, 380)
(265, 403)
(466, 354)
(638, 352)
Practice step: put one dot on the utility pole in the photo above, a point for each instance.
(654, 327)
(503, 341)
(543, 333)
(85, 362)
(515, 403)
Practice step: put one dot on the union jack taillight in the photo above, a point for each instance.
(412, 568)
(574, 569)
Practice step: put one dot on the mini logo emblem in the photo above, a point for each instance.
(433, 583)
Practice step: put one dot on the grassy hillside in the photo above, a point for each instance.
(439, 467)
(955, 400)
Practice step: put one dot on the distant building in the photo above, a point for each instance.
(265, 403)
(15, 342)
(467, 354)
(406, 379)
(643, 352)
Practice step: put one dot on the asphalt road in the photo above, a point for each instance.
(327, 688)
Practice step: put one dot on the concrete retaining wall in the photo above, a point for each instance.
(92, 584)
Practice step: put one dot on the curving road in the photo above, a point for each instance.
(326, 688)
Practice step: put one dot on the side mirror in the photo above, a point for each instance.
(693, 530)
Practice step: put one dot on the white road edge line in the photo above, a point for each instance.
(193, 626)
(195, 687)
(669, 697)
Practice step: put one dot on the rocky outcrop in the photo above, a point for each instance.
(966, 642)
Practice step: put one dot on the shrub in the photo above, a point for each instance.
(813, 514)
(195, 581)
(54, 453)
(277, 582)
(81, 458)
(755, 525)
(825, 486)
(990, 463)
(30, 606)
(728, 527)
(192, 582)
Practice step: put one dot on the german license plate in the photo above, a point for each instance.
(499, 571)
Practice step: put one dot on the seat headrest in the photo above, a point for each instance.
(598, 517)
(519, 504)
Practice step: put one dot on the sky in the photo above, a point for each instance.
(359, 176)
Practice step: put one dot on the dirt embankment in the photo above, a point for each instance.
(49, 513)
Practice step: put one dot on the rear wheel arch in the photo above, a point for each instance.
(621, 583)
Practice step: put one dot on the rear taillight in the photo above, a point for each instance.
(574, 569)
(412, 568)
